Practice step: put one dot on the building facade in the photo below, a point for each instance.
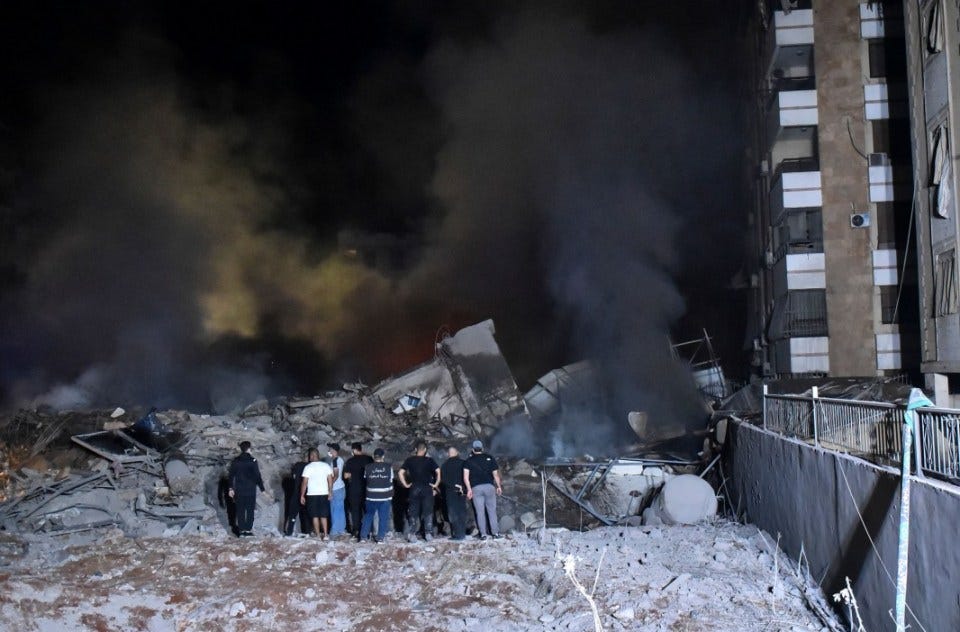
(932, 35)
(833, 288)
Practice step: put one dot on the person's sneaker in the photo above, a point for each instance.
(427, 537)
(324, 537)
(411, 537)
(497, 536)
(378, 540)
(482, 538)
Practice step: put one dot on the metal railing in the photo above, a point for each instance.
(871, 430)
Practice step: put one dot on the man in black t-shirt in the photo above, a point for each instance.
(295, 511)
(451, 473)
(353, 477)
(481, 476)
(421, 475)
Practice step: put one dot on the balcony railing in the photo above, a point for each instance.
(871, 430)
(794, 190)
(795, 165)
(788, 84)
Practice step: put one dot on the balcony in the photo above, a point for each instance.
(888, 352)
(792, 110)
(884, 101)
(888, 183)
(878, 21)
(884, 267)
(805, 271)
(795, 189)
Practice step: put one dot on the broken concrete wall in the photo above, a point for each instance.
(467, 379)
(811, 497)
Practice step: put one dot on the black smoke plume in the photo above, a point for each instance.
(189, 241)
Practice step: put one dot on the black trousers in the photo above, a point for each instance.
(295, 513)
(355, 505)
(420, 509)
(456, 512)
(245, 507)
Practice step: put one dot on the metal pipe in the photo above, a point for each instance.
(903, 549)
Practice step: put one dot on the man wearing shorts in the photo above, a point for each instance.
(316, 491)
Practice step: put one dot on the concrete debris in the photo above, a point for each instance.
(122, 521)
(650, 579)
(165, 472)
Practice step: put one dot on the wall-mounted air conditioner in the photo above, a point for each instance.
(859, 220)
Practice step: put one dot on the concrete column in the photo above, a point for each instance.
(940, 385)
(841, 132)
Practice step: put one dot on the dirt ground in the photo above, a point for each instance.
(710, 577)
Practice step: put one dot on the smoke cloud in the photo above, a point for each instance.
(545, 170)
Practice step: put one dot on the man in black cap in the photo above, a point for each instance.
(378, 477)
(244, 477)
(353, 477)
(481, 476)
(451, 473)
(421, 475)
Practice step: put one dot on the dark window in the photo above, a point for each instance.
(886, 221)
(888, 58)
(888, 303)
(945, 282)
(799, 313)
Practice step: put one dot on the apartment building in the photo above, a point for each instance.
(833, 288)
(932, 35)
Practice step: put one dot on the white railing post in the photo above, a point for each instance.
(917, 434)
(813, 400)
(766, 391)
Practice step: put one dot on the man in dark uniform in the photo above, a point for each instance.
(353, 477)
(295, 510)
(378, 476)
(421, 475)
(451, 473)
(244, 480)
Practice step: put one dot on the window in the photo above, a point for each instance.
(801, 231)
(940, 172)
(935, 28)
(945, 283)
(888, 303)
(799, 313)
(887, 58)
(886, 222)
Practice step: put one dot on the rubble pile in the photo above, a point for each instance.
(719, 576)
(165, 471)
(118, 519)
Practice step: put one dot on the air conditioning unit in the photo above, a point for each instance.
(859, 220)
(879, 160)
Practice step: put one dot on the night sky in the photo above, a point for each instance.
(202, 202)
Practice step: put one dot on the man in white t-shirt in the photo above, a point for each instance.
(316, 491)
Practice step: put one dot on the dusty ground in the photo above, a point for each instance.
(711, 577)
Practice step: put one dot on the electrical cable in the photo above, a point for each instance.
(906, 251)
(852, 143)
(874, 544)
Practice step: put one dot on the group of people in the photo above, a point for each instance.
(336, 497)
